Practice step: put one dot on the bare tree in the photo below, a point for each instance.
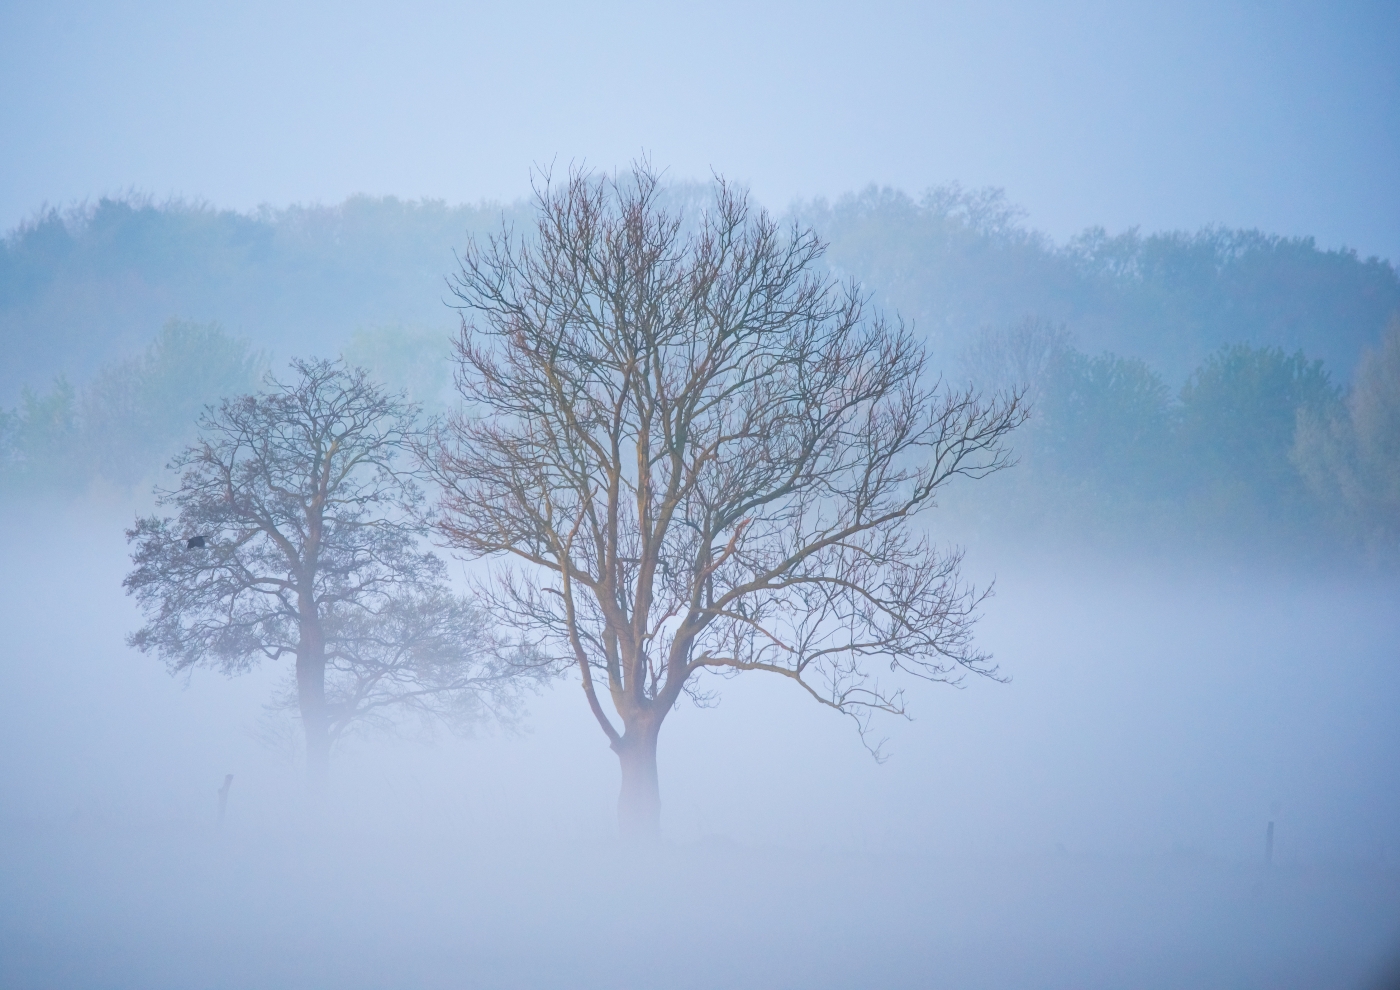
(297, 536)
(1020, 357)
(701, 455)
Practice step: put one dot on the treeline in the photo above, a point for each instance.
(83, 287)
(1221, 382)
(1259, 445)
(122, 424)
(120, 427)
(956, 261)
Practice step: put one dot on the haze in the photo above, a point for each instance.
(1278, 116)
(1172, 228)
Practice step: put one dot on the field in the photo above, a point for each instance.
(1098, 821)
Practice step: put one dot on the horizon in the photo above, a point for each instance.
(1277, 118)
(73, 211)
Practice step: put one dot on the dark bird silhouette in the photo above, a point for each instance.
(194, 543)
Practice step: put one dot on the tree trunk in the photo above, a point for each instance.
(639, 802)
(311, 700)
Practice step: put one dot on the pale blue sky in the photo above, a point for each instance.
(1280, 116)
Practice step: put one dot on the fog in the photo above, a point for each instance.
(1098, 821)
(1172, 229)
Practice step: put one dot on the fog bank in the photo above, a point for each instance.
(1098, 821)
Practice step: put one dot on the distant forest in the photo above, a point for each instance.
(82, 287)
(1230, 379)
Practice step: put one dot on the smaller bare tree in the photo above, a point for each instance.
(297, 536)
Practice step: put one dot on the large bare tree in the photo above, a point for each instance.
(692, 451)
(298, 535)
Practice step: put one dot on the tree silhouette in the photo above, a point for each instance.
(296, 536)
(701, 455)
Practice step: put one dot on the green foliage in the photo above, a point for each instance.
(1374, 407)
(1239, 412)
(138, 412)
(1110, 448)
(41, 440)
(1105, 421)
(1350, 455)
(130, 418)
(1098, 424)
(1230, 310)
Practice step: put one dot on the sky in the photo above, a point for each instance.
(1281, 116)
